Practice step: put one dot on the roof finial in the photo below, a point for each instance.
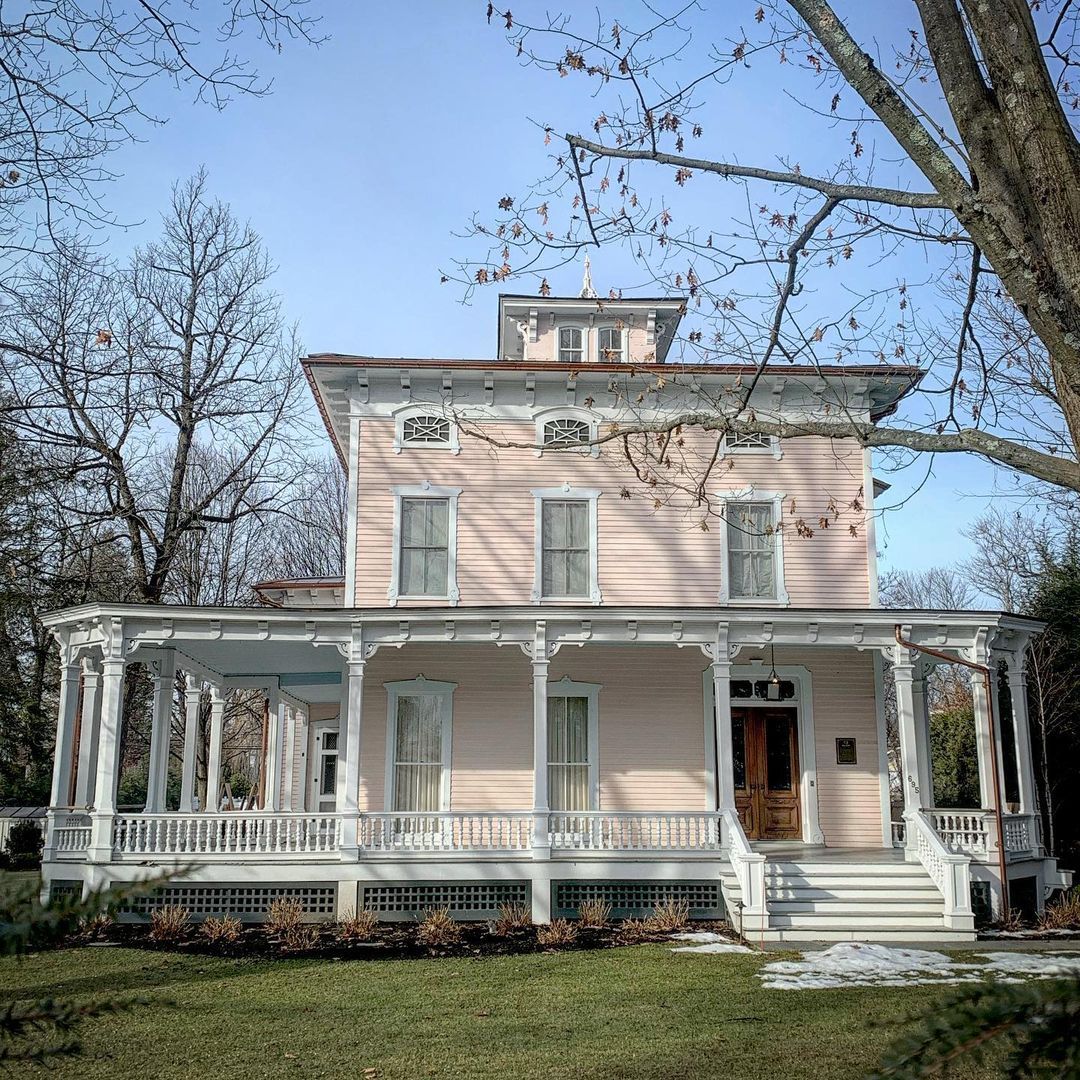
(587, 290)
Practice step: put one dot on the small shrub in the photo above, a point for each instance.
(221, 931)
(300, 937)
(595, 913)
(283, 915)
(437, 929)
(169, 924)
(512, 917)
(557, 932)
(1064, 914)
(670, 915)
(97, 927)
(358, 926)
(24, 845)
(634, 930)
(1010, 922)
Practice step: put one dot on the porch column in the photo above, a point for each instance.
(192, 698)
(910, 701)
(725, 757)
(300, 734)
(88, 735)
(68, 705)
(108, 760)
(274, 752)
(289, 771)
(541, 838)
(1025, 767)
(213, 756)
(982, 743)
(347, 795)
(160, 732)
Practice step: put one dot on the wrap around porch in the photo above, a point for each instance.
(713, 740)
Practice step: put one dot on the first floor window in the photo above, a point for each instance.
(751, 535)
(569, 766)
(418, 753)
(570, 345)
(425, 547)
(565, 548)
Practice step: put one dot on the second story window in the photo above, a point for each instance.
(425, 544)
(571, 344)
(566, 544)
(752, 545)
(611, 345)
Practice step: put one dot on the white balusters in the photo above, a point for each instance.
(232, 833)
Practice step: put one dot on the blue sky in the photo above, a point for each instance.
(373, 151)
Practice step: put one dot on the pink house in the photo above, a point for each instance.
(544, 677)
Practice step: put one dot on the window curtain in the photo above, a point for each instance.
(565, 542)
(568, 753)
(751, 550)
(425, 541)
(418, 754)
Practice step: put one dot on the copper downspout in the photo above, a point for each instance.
(985, 671)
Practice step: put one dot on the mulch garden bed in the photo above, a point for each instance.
(394, 941)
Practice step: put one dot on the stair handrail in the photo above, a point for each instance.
(748, 866)
(950, 871)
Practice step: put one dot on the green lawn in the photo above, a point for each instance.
(633, 1012)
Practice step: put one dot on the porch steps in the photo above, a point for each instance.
(846, 900)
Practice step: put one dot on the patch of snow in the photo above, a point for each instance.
(713, 947)
(700, 937)
(858, 963)
(1034, 965)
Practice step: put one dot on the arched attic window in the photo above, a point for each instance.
(420, 427)
(565, 429)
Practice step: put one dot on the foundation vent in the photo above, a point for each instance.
(247, 902)
(466, 900)
(638, 898)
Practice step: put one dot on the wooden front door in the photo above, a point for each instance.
(765, 749)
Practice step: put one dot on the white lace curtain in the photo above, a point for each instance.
(568, 753)
(418, 754)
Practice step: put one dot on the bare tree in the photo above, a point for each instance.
(955, 151)
(75, 79)
(1011, 550)
(129, 377)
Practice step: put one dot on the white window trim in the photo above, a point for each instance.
(313, 764)
(774, 448)
(566, 687)
(585, 340)
(566, 492)
(426, 490)
(419, 687)
(545, 417)
(600, 358)
(752, 494)
(408, 412)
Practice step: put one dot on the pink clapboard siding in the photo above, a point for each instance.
(647, 555)
(651, 728)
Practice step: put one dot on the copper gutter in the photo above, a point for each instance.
(985, 672)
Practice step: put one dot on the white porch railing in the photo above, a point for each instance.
(1022, 839)
(969, 832)
(598, 830)
(749, 869)
(899, 833)
(448, 831)
(254, 833)
(949, 870)
(67, 834)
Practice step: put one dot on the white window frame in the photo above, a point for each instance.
(426, 490)
(419, 687)
(621, 331)
(566, 687)
(544, 417)
(566, 493)
(316, 801)
(410, 412)
(774, 448)
(752, 494)
(559, 327)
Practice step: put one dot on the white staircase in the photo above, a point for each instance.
(841, 898)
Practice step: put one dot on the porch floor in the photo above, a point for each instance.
(795, 851)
